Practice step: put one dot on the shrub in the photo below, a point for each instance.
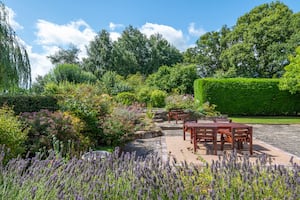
(86, 102)
(113, 83)
(72, 73)
(247, 96)
(119, 126)
(177, 101)
(47, 128)
(126, 98)
(157, 98)
(208, 110)
(13, 133)
(144, 95)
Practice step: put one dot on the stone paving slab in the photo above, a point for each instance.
(268, 139)
(285, 137)
(183, 151)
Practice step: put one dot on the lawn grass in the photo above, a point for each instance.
(267, 120)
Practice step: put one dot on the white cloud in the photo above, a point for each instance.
(175, 37)
(114, 36)
(76, 32)
(195, 32)
(11, 19)
(51, 36)
(114, 26)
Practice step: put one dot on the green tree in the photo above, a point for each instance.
(291, 78)
(162, 53)
(179, 78)
(99, 54)
(65, 56)
(15, 68)
(258, 44)
(207, 52)
(131, 52)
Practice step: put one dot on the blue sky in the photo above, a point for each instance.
(45, 25)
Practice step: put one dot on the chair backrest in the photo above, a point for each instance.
(205, 133)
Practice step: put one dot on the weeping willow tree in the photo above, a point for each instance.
(15, 68)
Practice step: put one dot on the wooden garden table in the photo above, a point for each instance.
(213, 128)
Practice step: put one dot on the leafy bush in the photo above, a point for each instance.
(125, 177)
(126, 98)
(144, 94)
(157, 98)
(72, 73)
(46, 128)
(13, 133)
(208, 110)
(113, 83)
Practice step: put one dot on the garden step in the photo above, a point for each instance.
(147, 134)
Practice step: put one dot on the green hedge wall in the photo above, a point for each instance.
(247, 96)
(25, 103)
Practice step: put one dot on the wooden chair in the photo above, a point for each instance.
(177, 114)
(223, 131)
(237, 136)
(186, 129)
(204, 135)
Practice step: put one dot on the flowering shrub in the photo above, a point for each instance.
(88, 104)
(46, 128)
(125, 177)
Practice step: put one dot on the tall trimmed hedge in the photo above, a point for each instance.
(247, 96)
(25, 103)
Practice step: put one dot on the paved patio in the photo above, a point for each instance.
(267, 140)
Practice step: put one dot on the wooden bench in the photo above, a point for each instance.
(177, 114)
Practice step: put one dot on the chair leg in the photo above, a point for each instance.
(222, 142)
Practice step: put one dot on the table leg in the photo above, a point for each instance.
(194, 139)
(215, 140)
(183, 132)
(233, 139)
(251, 141)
